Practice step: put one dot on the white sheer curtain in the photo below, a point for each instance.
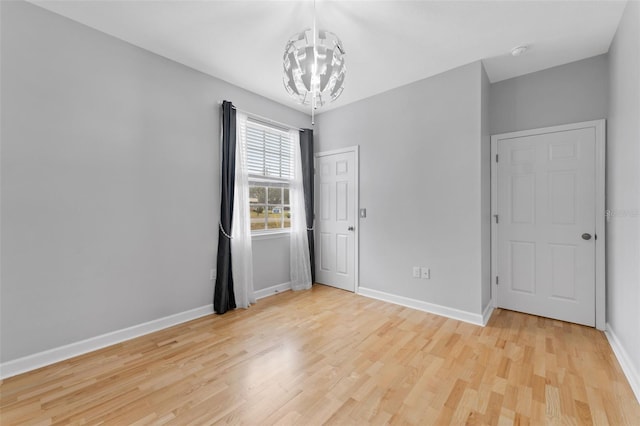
(299, 247)
(241, 255)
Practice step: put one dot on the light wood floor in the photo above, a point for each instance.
(328, 356)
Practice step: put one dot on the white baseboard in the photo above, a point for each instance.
(420, 305)
(51, 356)
(270, 291)
(633, 377)
(486, 314)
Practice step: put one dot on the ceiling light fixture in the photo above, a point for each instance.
(314, 68)
(519, 50)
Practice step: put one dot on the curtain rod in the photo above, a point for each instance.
(265, 119)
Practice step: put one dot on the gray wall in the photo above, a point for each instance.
(623, 186)
(270, 261)
(485, 191)
(420, 182)
(565, 94)
(109, 183)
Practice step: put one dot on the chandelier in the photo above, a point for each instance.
(314, 68)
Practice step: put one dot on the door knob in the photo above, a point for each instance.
(351, 228)
(586, 236)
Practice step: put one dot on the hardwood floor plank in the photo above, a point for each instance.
(326, 356)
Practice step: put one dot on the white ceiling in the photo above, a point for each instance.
(388, 43)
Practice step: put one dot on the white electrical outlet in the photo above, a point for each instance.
(212, 274)
(416, 272)
(425, 273)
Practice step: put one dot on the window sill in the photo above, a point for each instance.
(267, 235)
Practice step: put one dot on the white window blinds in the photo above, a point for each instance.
(269, 152)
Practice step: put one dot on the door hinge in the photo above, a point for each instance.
(497, 218)
(497, 280)
(496, 158)
(595, 236)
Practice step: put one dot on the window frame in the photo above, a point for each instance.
(286, 207)
(268, 182)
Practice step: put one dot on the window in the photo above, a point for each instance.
(270, 164)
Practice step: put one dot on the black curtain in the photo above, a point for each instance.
(306, 150)
(223, 297)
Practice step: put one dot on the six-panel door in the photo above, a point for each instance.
(335, 220)
(546, 231)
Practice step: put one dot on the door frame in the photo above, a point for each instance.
(356, 213)
(600, 213)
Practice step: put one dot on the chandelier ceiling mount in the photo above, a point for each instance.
(314, 68)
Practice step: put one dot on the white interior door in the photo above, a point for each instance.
(336, 215)
(546, 206)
